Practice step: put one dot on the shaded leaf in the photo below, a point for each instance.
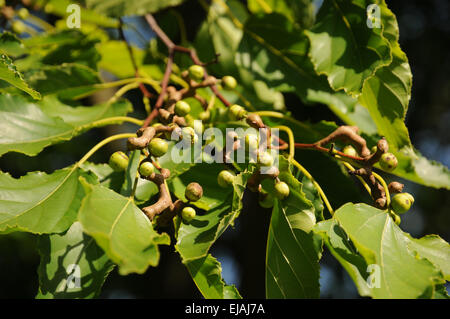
(119, 8)
(11, 45)
(121, 229)
(207, 275)
(59, 278)
(40, 203)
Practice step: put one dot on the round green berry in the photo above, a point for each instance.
(118, 161)
(188, 214)
(402, 202)
(18, 27)
(196, 72)
(388, 162)
(182, 108)
(193, 192)
(225, 178)
(146, 169)
(23, 13)
(204, 116)
(281, 190)
(266, 200)
(158, 147)
(373, 150)
(229, 82)
(265, 159)
(350, 150)
(237, 112)
(251, 141)
(189, 135)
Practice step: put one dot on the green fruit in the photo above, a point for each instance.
(397, 219)
(237, 112)
(158, 147)
(189, 135)
(350, 150)
(188, 214)
(266, 200)
(229, 82)
(23, 13)
(196, 72)
(118, 161)
(146, 169)
(204, 116)
(373, 150)
(251, 141)
(402, 202)
(225, 178)
(193, 192)
(265, 159)
(182, 108)
(281, 190)
(18, 27)
(388, 162)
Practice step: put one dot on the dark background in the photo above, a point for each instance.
(424, 36)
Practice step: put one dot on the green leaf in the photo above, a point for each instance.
(68, 80)
(194, 239)
(72, 265)
(297, 11)
(206, 175)
(383, 244)
(40, 203)
(131, 173)
(28, 127)
(121, 229)
(344, 48)
(11, 45)
(113, 51)
(10, 74)
(106, 175)
(293, 251)
(207, 275)
(119, 8)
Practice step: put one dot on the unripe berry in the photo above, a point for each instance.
(118, 161)
(281, 190)
(229, 82)
(251, 141)
(188, 214)
(193, 192)
(188, 135)
(18, 27)
(204, 116)
(402, 202)
(158, 147)
(196, 72)
(225, 178)
(266, 200)
(182, 108)
(237, 112)
(350, 150)
(388, 162)
(23, 13)
(265, 159)
(146, 169)
(373, 150)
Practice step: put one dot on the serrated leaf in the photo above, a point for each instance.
(10, 74)
(68, 80)
(11, 45)
(40, 203)
(403, 272)
(72, 265)
(344, 48)
(194, 239)
(29, 127)
(207, 275)
(293, 251)
(119, 8)
(121, 229)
